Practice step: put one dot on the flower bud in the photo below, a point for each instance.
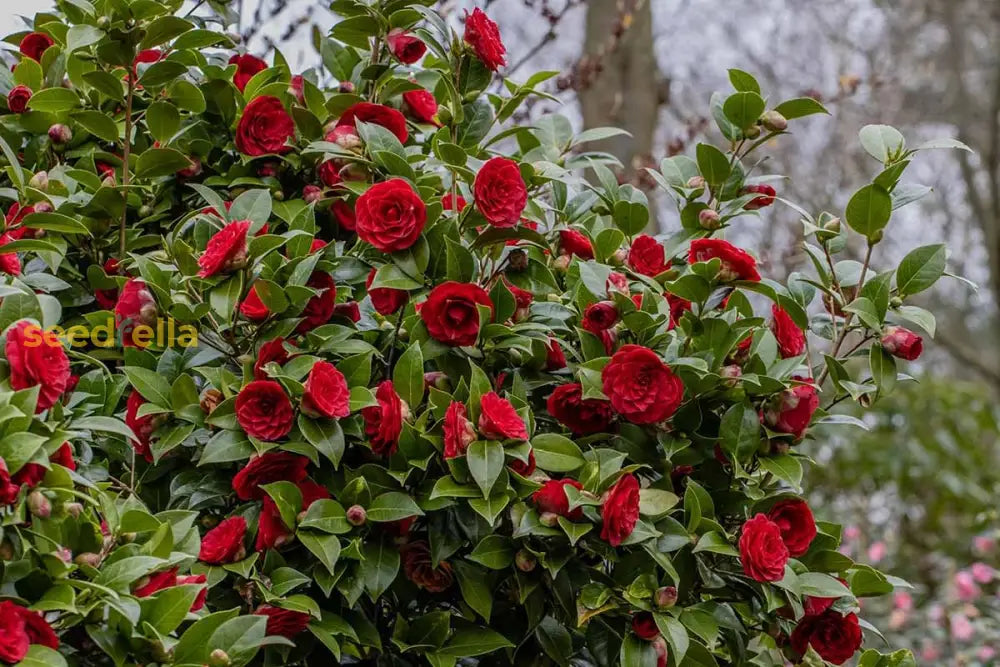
(525, 560)
(696, 182)
(731, 375)
(311, 194)
(89, 558)
(193, 170)
(109, 181)
(617, 282)
(40, 181)
(74, 509)
(346, 137)
(210, 400)
(63, 554)
(266, 169)
(219, 658)
(60, 134)
(774, 121)
(43, 207)
(780, 447)
(666, 597)
(438, 380)
(618, 257)
(148, 313)
(709, 219)
(548, 519)
(902, 343)
(832, 225)
(517, 260)
(895, 302)
(752, 132)
(561, 263)
(356, 515)
(39, 505)
(346, 87)
(660, 647)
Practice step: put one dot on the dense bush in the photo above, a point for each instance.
(448, 401)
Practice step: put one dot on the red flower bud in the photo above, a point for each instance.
(902, 343)
(356, 515)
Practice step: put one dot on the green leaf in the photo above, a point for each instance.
(744, 108)
(631, 217)
(883, 368)
(166, 610)
(713, 164)
(637, 652)
(784, 467)
(240, 638)
(740, 431)
(676, 635)
(42, 656)
(470, 642)
(98, 124)
(324, 546)
(882, 142)
(163, 29)
(475, 588)
(493, 551)
(287, 498)
(656, 502)
(869, 210)
(153, 386)
(408, 376)
(556, 453)
(393, 506)
(326, 435)
(743, 81)
(163, 120)
(379, 568)
(252, 205)
(157, 162)
(799, 107)
(486, 462)
(326, 515)
(187, 96)
(81, 36)
(920, 269)
(54, 100)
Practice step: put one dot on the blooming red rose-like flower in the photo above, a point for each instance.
(647, 256)
(600, 316)
(155, 582)
(795, 520)
(644, 626)
(36, 627)
(762, 551)
(143, 427)
(390, 215)
(500, 192)
(272, 533)
(36, 358)
(792, 411)
(135, 306)
(572, 242)
(459, 431)
(264, 411)
(253, 308)
(246, 66)
(284, 622)
(379, 114)
(8, 488)
(419, 568)
(145, 57)
(900, 342)
(498, 420)
(17, 99)
(736, 264)
(31, 474)
(555, 358)
(678, 307)
(791, 339)
(64, 456)
(422, 106)
(272, 350)
(449, 203)
(266, 468)
(199, 600)
(384, 422)
(14, 641)
(836, 638)
(34, 44)
(524, 468)
(329, 173)
(640, 386)
(483, 35)
(264, 128)
(224, 543)
(319, 309)
(344, 214)
(620, 510)
(348, 309)
(767, 195)
(9, 261)
(107, 298)
(226, 250)
(451, 312)
(385, 300)
(326, 392)
(581, 416)
(552, 498)
(407, 48)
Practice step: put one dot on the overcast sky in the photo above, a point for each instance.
(12, 10)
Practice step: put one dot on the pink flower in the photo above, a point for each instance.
(903, 601)
(961, 627)
(965, 586)
(877, 551)
(982, 573)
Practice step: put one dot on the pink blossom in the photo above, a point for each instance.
(986, 653)
(965, 586)
(982, 544)
(876, 552)
(903, 601)
(982, 573)
(930, 653)
(851, 533)
(961, 627)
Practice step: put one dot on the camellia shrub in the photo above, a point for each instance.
(347, 367)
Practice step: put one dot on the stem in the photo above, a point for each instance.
(392, 347)
(850, 316)
(126, 175)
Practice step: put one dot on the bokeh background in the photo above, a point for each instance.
(918, 492)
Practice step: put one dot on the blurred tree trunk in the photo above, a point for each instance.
(628, 88)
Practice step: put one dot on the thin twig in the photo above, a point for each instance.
(126, 175)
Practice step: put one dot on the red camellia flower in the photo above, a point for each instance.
(791, 339)
(155, 582)
(37, 358)
(572, 242)
(146, 57)
(483, 35)
(902, 343)
(297, 87)
(390, 215)
(419, 568)
(795, 520)
(766, 192)
(451, 312)
(421, 106)
(600, 316)
(647, 256)
(272, 533)
(581, 416)
(407, 48)
(135, 306)
(678, 307)
(459, 431)
(264, 128)
(736, 264)
(762, 551)
(379, 114)
(33, 45)
(271, 351)
(640, 386)
(836, 638)
(620, 510)
(326, 392)
(644, 626)
(319, 309)
(253, 308)
(385, 300)
(199, 600)
(524, 468)
(384, 422)
(14, 642)
(36, 627)
(246, 66)
(31, 474)
(226, 250)
(449, 203)
(8, 489)
(284, 622)
(143, 427)
(17, 99)
(329, 173)
(344, 215)
(224, 543)
(552, 498)
(555, 358)
(498, 420)
(266, 468)
(264, 411)
(792, 411)
(107, 298)
(501, 194)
